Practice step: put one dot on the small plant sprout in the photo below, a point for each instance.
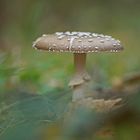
(79, 43)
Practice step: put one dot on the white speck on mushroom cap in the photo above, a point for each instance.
(77, 42)
(44, 35)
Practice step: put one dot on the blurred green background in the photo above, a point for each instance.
(22, 21)
(25, 70)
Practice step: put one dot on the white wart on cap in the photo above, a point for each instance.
(77, 42)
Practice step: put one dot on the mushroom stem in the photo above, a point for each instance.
(81, 77)
(80, 63)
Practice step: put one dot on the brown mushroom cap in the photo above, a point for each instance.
(77, 42)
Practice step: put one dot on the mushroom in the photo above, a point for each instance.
(79, 43)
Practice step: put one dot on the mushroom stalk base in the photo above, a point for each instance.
(80, 91)
(80, 80)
